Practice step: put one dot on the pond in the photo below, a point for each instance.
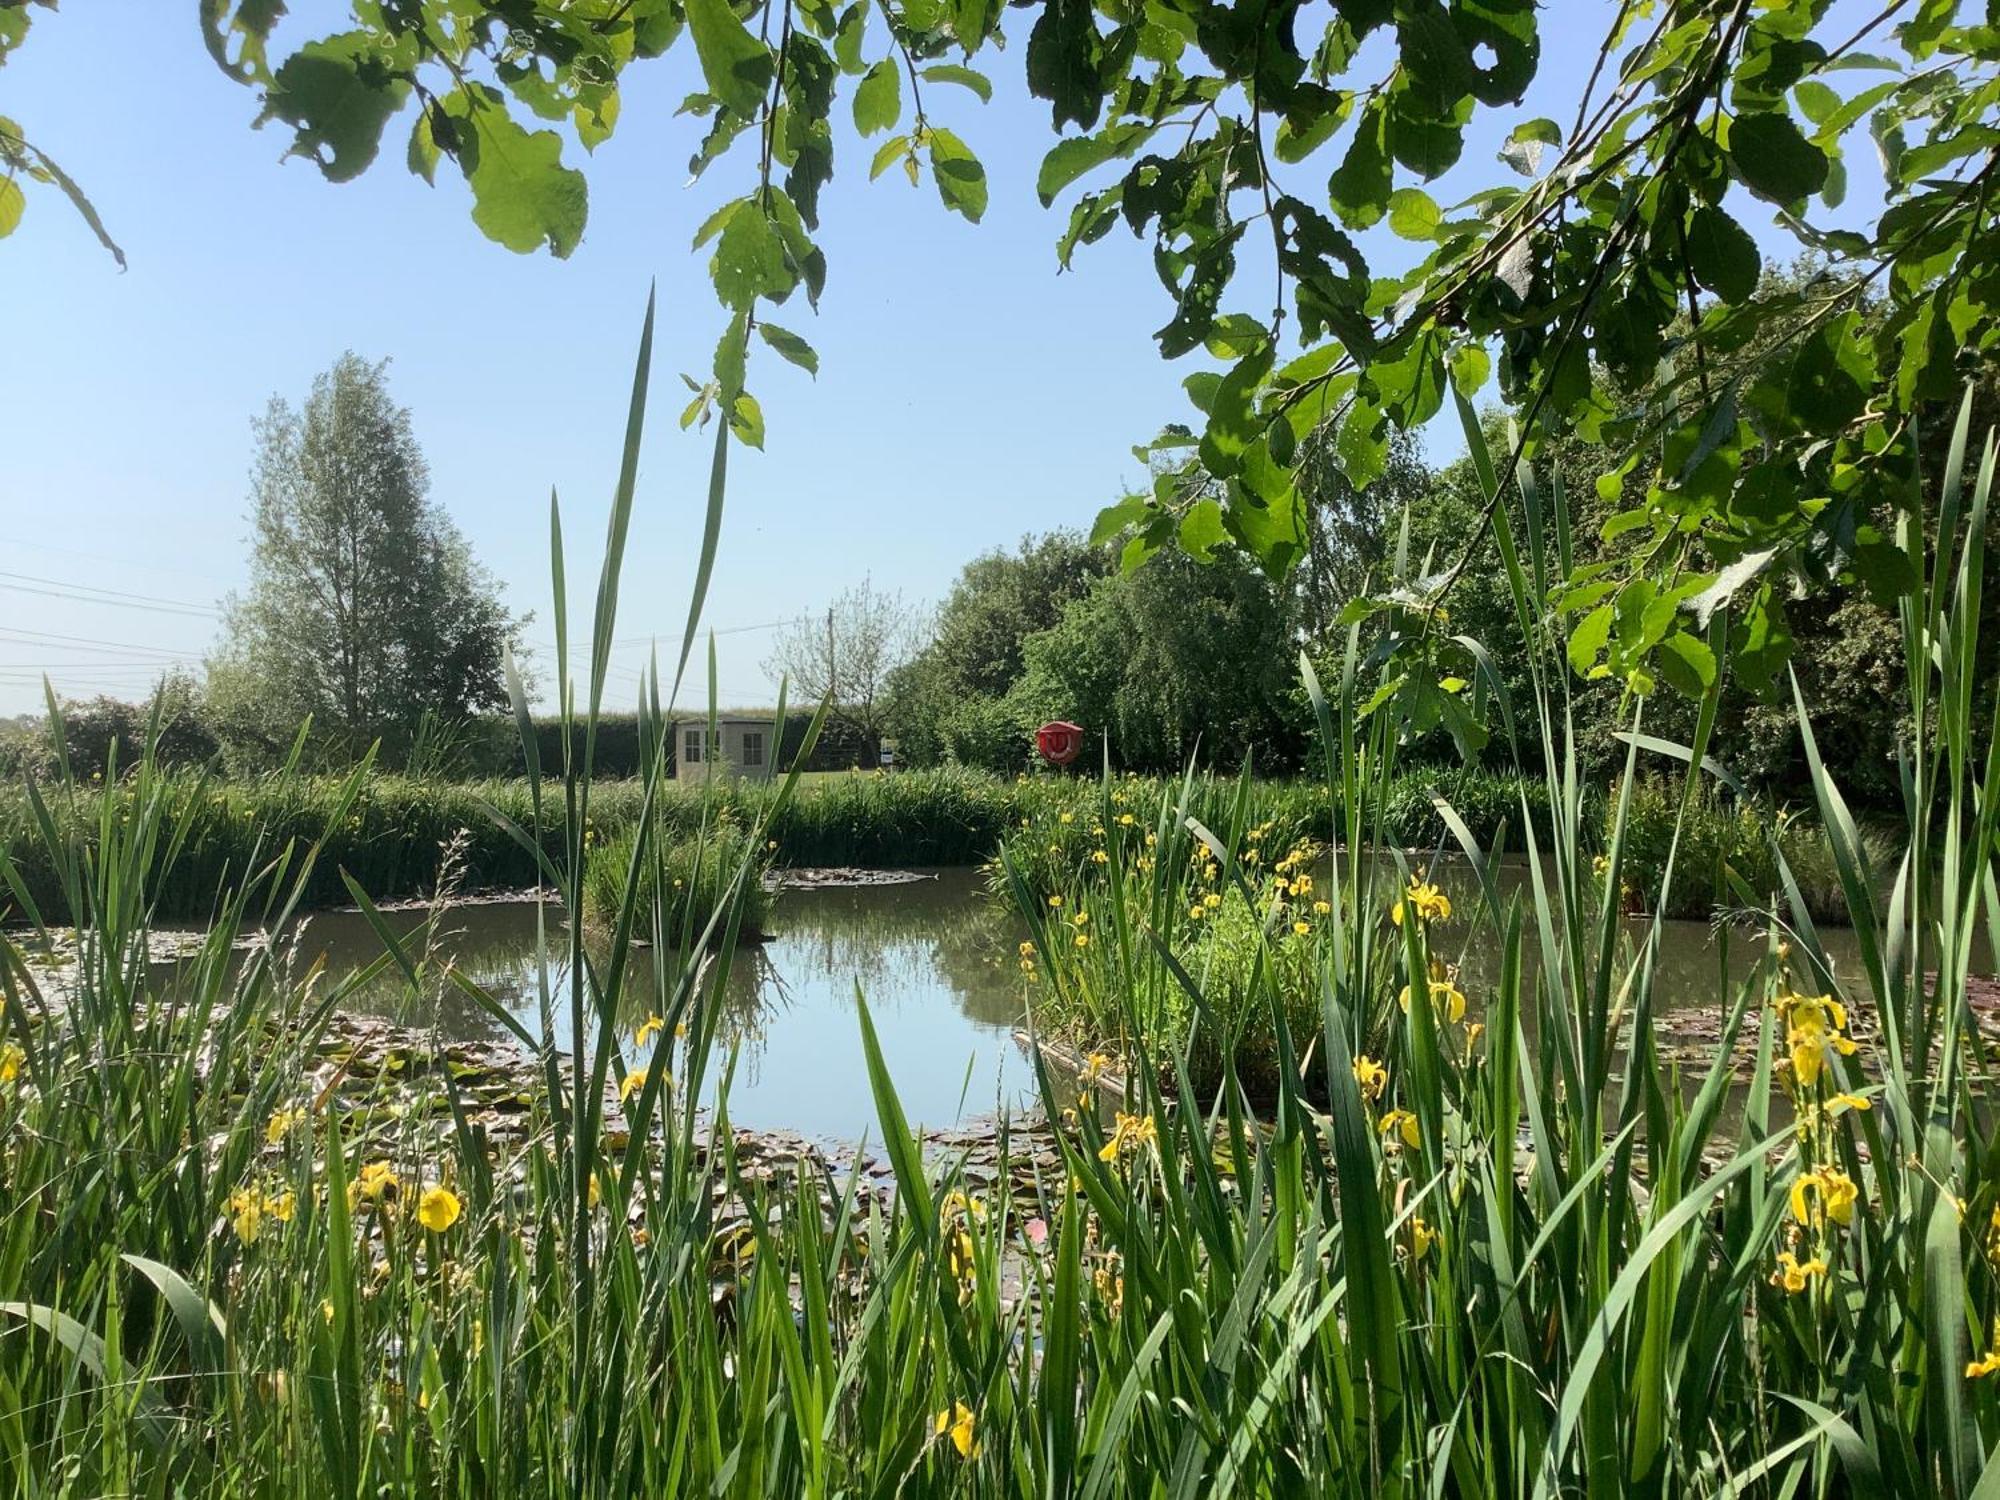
(936, 961)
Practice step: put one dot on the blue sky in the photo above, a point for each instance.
(968, 394)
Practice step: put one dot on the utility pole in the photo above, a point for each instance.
(832, 670)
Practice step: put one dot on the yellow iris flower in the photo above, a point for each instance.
(1814, 1024)
(1795, 1275)
(1372, 1077)
(1404, 1124)
(1424, 899)
(378, 1181)
(956, 1422)
(1824, 1193)
(1129, 1133)
(438, 1208)
(1422, 1237)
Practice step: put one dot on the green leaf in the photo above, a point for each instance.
(1470, 367)
(1114, 519)
(338, 93)
(749, 261)
(790, 346)
(732, 356)
(1589, 638)
(878, 98)
(1687, 664)
(1359, 187)
(848, 36)
(1413, 214)
(1361, 447)
(1063, 56)
(1232, 415)
(1070, 159)
(424, 150)
(200, 1320)
(888, 154)
(1426, 142)
(1722, 255)
(746, 420)
(736, 65)
(961, 179)
(522, 194)
(1310, 121)
(12, 202)
(1202, 531)
(897, 1142)
(1773, 159)
(964, 77)
(595, 122)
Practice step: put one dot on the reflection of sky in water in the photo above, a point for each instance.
(935, 961)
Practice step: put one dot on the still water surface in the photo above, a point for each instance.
(936, 960)
(934, 957)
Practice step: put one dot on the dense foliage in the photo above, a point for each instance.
(394, 833)
(1178, 662)
(949, 702)
(366, 610)
(1508, 1256)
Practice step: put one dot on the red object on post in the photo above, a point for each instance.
(1059, 741)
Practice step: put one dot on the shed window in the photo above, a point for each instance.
(691, 747)
(753, 747)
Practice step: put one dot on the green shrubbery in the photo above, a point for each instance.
(686, 878)
(393, 836)
(1725, 858)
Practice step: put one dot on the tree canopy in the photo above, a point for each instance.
(1777, 447)
(848, 654)
(366, 609)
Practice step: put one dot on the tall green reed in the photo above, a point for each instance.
(1551, 1273)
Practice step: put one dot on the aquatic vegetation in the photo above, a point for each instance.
(1724, 842)
(694, 877)
(1503, 1256)
(392, 831)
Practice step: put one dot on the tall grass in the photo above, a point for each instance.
(1524, 1263)
(391, 832)
(691, 880)
(1729, 846)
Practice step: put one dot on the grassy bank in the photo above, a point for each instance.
(392, 836)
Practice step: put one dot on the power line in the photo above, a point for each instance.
(60, 588)
(144, 564)
(90, 642)
(626, 643)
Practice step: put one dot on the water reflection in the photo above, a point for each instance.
(936, 962)
(933, 958)
(1693, 958)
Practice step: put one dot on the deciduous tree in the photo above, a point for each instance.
(365, 608)
(847, 653)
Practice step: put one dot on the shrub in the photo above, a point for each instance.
(1725, 858)
(695, 876)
